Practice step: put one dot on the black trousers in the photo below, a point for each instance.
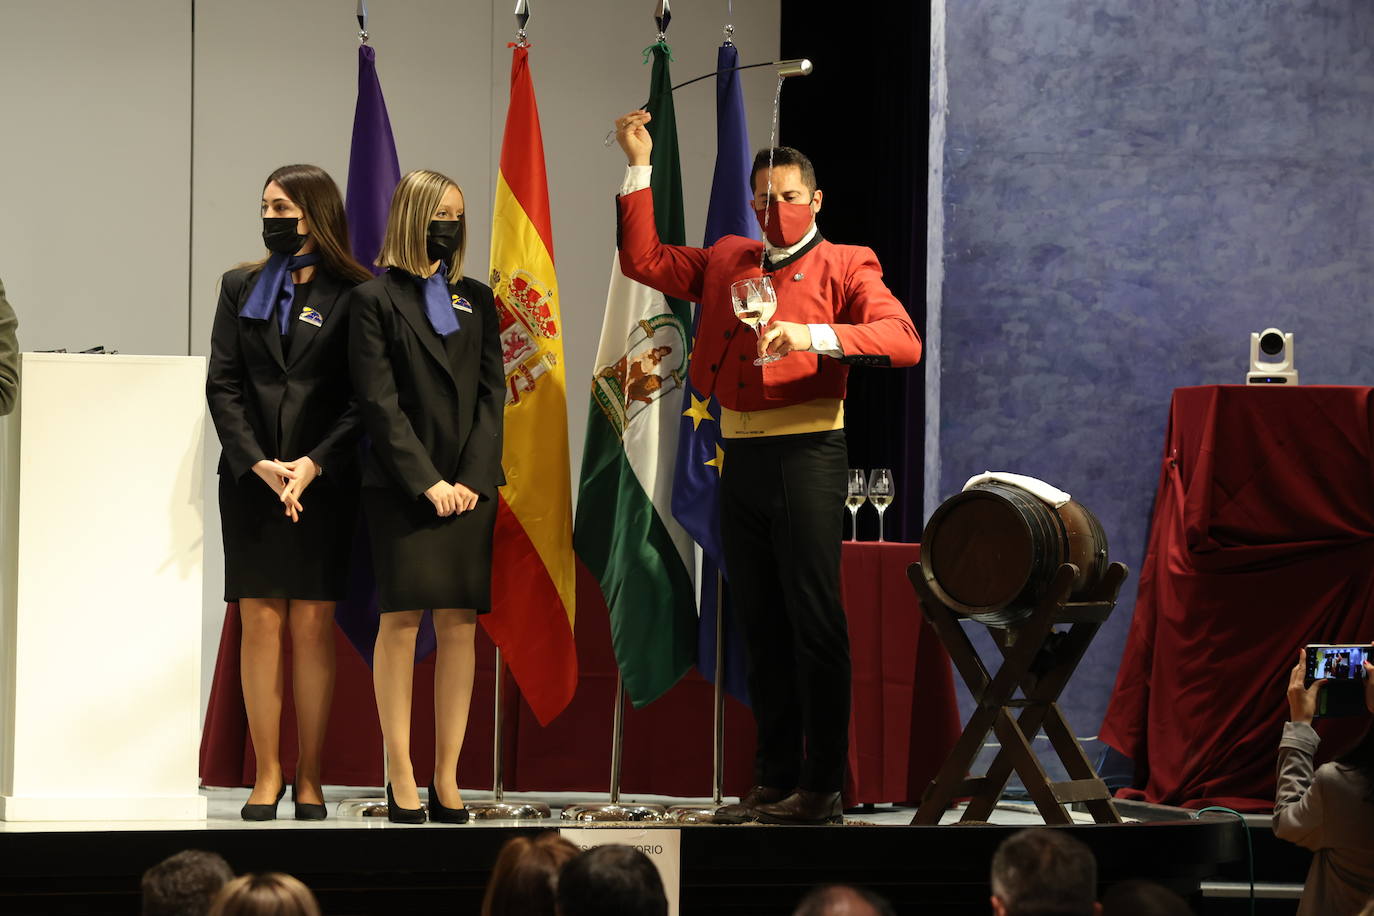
(782, 520)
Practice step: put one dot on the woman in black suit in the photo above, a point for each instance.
(426, 360)
(282, 404)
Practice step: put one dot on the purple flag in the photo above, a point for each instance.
(373, 173)
(373, 170)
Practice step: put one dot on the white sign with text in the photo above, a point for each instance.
(663, 846)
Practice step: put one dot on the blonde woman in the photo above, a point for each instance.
(282, 404)
(425, 355)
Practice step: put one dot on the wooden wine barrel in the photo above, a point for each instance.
(994, 549)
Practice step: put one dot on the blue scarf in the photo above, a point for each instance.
(274, 289)
(439, 303)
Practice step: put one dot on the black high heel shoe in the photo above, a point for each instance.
(443, 815)
(262, 812)
(398, 815)
(305, 811)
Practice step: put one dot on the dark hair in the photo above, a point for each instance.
(782, 156)
(611, 881)
(184, 884)
(1043, 870)
(1143, 898)
(1360, 758)
(311, 189)
(525, 879)
(841, 898)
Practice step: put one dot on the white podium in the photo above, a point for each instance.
(100, 589)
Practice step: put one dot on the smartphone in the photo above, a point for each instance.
(1336, 663)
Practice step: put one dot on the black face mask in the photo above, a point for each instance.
(279, 234)
(444, 237)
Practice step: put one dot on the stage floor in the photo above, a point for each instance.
(224, 807)
(365, 865)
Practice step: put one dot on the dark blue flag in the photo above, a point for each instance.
(701, 453)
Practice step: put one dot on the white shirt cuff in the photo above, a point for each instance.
(637, 178)
(824, 340)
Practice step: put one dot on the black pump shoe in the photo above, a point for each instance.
(305, 811)
(398, 815)
(443, 815)
(262, 812)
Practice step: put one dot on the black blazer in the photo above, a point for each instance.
(428, 417)
(266, 405)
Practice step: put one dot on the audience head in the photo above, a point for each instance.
(525, 879)
(184, 884)
(611, 881)
(842, 900)
(1044, 872)
(1143, 898)
(267, 894)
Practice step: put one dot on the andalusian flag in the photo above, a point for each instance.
(532, 563)
(626, 533)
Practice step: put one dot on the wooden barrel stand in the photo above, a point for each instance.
(1037, 660)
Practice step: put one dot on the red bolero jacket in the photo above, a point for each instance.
(838, 285)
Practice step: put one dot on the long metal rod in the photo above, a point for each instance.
(617, 737)
(718, 713)
(498, 758)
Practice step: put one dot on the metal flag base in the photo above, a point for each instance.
(499, 810)
(361, 807)
(693, 814)
(594, 812)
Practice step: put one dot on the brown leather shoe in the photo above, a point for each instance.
(744, 811)
(804, 807)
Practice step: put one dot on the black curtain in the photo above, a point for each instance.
(862, 117)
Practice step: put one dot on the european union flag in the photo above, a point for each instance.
(701, 453)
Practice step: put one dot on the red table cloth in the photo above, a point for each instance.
(1262, 540)
(905, 715)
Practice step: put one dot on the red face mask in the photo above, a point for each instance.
(787, 222)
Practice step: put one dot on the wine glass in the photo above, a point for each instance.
(755, 301)
(858, 492)
(880, 494)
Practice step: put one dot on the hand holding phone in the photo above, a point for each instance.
(1336, 678)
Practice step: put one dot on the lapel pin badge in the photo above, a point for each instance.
(462, 304)
(310, 316)
(798, 277)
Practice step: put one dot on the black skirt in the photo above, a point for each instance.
(423, 561)
(266, 555)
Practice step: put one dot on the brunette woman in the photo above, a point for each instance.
(426, 361)
(282, 404)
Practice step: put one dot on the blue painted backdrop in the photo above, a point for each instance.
(1130, 188)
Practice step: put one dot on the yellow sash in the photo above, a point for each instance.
(816, 416)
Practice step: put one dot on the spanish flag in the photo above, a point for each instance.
(533, 568)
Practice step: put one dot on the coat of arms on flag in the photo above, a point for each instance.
(654, 365)
(527, 313)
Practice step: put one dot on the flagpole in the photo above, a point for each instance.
(613, 810)
(498, 809)
(706, 814)
(718, 742)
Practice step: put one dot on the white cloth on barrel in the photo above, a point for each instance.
(1038, 488)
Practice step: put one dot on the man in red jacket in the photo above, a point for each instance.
(783, 481)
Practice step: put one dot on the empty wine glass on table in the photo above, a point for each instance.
(858, 492)
(755, 301)
(880, 494)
